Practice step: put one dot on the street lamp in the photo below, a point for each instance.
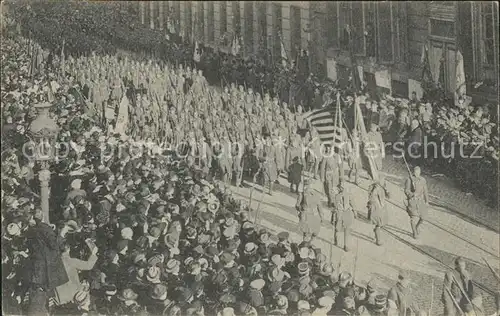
(44, 131)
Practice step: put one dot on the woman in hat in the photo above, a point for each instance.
(310, 215)
(377, 211)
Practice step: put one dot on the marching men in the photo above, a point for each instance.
(417, 201)
(331, 173)
(377, 212)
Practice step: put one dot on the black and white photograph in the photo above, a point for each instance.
(250, 158)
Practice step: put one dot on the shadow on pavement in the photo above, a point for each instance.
(492, 225)
(433, 289)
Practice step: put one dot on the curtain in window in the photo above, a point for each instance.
(435, 55)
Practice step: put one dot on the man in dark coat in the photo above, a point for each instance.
(46, 270)
(317, 100)
(415, 143)
(417, 197)
(295, 175)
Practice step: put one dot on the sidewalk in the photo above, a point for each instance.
(447, 196)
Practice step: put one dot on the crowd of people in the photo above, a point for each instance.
(96, 27)
(153, 233)
(142, 234)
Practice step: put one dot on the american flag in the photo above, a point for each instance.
(323, 120)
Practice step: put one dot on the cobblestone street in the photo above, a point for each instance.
(426, 260)
(447, 196)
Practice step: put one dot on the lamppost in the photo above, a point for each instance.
(44, 131)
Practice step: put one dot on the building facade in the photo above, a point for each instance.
(382, 37)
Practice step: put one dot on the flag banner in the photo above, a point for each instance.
(361, 74)
(235, 46)
(415, 86)
(383, 79)
(367, 161)
(122, 119)
(426, 66)
(460, 88)
(170, 27)
(323, 121)
(331, 69)
(196, 54)
(283, 52)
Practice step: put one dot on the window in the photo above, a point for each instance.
(248, 6)
(210, 21)
(163, 13)
(200, 20)
(332, 24)
(385, 32)
(277, 26)
(442, 59)
(374, 29)
(223, 17)
(344, 25)
(488, 32)
(177, 14)
(147, 13)
(441, 28)
(262, 21)
(295, 37)
(236, 18)
(358, 28)
(400, 37)
(371, 29)
(188, 17)
(142, 12)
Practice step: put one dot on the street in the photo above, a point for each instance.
(444, 237)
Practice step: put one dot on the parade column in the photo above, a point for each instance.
(44, 132)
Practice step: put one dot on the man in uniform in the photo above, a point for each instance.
(295, 150)
(400, 296)
(462, 283)
(267, 170)
(226, 161)
(314, 145)
(353, 157)
(237, 163)
(377, 212)
(417, 200)
(343, 216)
(331, 173)
(374, 147)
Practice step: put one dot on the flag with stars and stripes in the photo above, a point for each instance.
(323, 120)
